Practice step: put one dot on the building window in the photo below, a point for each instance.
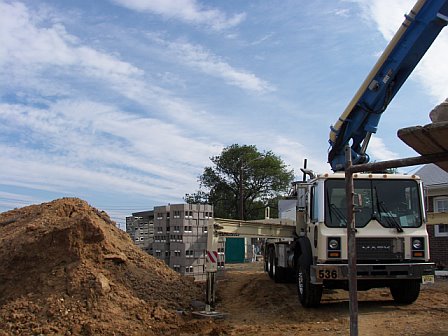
(167, 253)
(208, 215)
(159, 229)
(188, 214)
(441, 204)
(176, 268)
(159, 215)
(176, 214)
(158, 253)
(205, 229)
(441, 230)
(176, 228)
(189, 269)
(188, 228)
(189, 253)
(167, 215)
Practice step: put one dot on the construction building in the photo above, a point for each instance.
(435, 181)
(180, 237)
(176, 234)
(140, 226)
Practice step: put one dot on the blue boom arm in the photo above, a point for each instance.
(361, 117)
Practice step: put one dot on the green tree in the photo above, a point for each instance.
(242, 182)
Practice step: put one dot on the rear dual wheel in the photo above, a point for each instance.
(269, 263)
(275, 272)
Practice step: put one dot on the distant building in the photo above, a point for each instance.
(435, 181)
(179, 236)
(140, 226)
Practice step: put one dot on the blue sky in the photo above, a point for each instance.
(122, 102)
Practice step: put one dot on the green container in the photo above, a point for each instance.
(234, 251)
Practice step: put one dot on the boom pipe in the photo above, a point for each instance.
(404, 26)
(280, 228)
(268, 228)
(361, 117)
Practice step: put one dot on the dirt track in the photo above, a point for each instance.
(257, 306)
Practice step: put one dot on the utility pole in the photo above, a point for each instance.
(351, 238)
(241, 191)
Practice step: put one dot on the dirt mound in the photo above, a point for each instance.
(66, 269)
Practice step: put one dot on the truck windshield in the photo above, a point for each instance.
(393, 203)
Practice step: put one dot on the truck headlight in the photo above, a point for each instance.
(334, 247)
(418, 247)
(417, 243)
(333, 244)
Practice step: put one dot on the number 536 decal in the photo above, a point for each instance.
(328, 273)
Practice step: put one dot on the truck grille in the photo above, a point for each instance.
(379, 248)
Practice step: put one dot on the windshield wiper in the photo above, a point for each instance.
(338, 212)
(390, 219)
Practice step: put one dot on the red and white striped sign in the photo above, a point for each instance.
(212, 256)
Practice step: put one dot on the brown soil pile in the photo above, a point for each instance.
(66, 269)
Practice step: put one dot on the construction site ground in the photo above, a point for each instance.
(66, 269)
(255, 305)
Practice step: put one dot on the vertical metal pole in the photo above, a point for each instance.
(304, 167)
(351, 231)
(210, 291)
(241, 193)
(211, 266)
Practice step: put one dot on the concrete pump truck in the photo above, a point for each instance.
(392, 248)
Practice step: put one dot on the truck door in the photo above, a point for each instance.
(314, 215)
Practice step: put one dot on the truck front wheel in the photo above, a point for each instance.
(309, 294)
(405, 291)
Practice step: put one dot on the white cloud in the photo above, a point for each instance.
(70, 143)
(31, 55)
(205, 61)
(435, 78)
(262, 39)
(14, 200)
(343, 12)
(25, 43)
(379, 152)
(189, 11)
(387, 15)
(84, 134)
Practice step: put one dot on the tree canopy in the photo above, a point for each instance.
(242, 182)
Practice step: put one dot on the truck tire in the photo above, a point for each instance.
(270, 262)
(265, 261)
(309, 294)
(278, 273)
(405, 291)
